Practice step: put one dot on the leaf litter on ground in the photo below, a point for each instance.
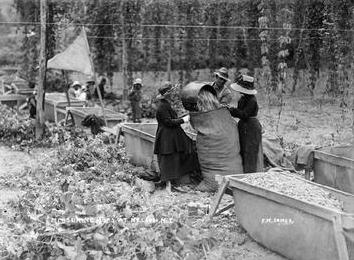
(84, 200)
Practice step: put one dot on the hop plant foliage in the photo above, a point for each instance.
(82, 200)
(17, 131)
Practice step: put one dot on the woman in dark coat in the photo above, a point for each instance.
(174, 149)
(250, 130)
(135, 98)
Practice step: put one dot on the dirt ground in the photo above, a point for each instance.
(11, 163)
(233, 241)
(308, 120)
(302, 121)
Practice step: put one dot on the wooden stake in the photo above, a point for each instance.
(340, 239)
(66, 80)
(222, 188)
(170, 49)
(101, 101)
(68, 112)
(353, 122)
(124, 56)
(169, 61)
(94, 78)
(42, 73)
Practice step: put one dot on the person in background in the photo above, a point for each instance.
(90, 86)
(174, 149)
(75, 90)
(223, 93)
(101, 88)
(31, 84)
(135, 98)
(250, 130)
(32, 105)
(83, 94)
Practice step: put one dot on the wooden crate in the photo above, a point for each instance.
(309, 232)
(12, 100)
(334, 167)
(139, 141)
(55, 101)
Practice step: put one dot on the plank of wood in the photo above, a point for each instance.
(340, 239)
(12, 97)
(333, 159)
(222, 188)
(225, 208)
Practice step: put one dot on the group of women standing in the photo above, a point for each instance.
(174, 149)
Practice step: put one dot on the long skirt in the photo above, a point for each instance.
(175, 165)
(250, 132)
(136, 110)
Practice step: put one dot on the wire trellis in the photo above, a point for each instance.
(181, 26)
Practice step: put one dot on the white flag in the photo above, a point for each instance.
(75, 58)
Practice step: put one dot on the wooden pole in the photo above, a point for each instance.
(67, 87)
(42, 73)
(169, 61)
(339, 238)
(352, 108)
(124, 56)
(170, 49)
(94, 78)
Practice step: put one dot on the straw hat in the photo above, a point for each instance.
(222, 73)
(165, 89)
(76, 83)
(90, 80)
(138, 81)
(244, 84)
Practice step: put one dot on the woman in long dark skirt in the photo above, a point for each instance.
(250, 130)
(174, 149)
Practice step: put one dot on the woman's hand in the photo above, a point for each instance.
(226, 106)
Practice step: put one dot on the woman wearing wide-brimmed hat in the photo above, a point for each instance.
(250, 130)
(174, 149)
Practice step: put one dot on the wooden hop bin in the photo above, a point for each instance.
(308, 232)
(58, 101)
(334, 167)
(13, 100)
(139, 141)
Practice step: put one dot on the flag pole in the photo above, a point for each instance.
(66, 90)
(94, 77)
(66, 87)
